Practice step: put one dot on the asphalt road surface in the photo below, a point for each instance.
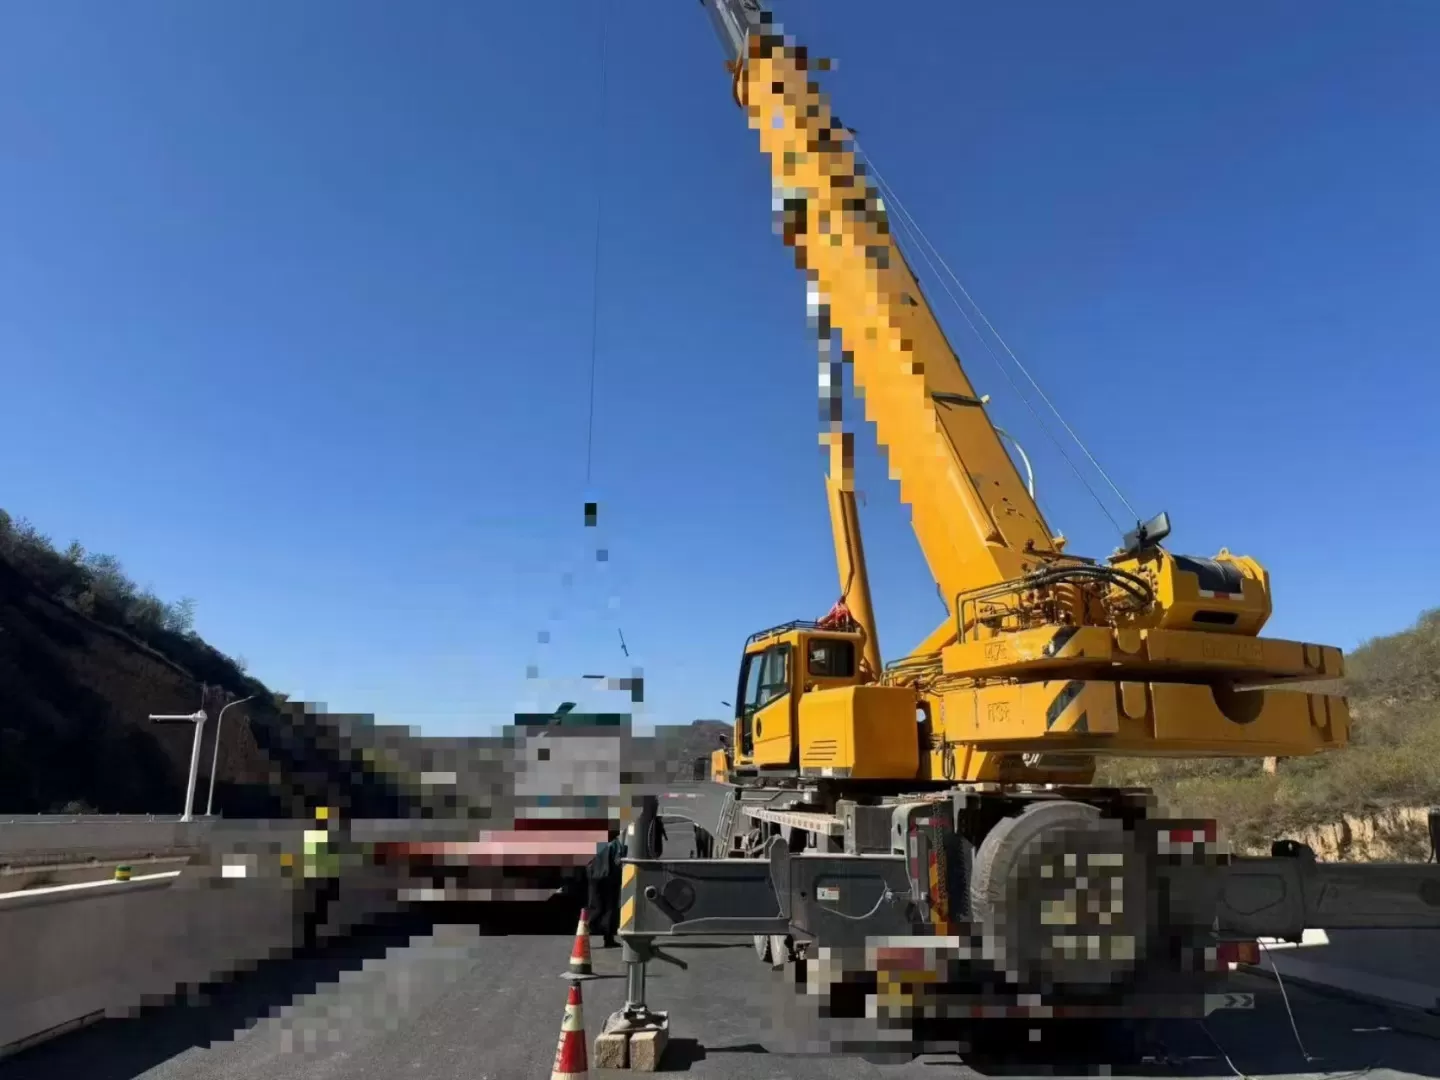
(451, 1002)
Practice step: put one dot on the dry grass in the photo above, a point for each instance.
(1393, 760)
(1360, 780)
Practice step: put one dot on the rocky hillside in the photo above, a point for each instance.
(75, 691)
(86, 656)
(1353, 803)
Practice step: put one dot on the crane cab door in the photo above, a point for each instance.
(767, 707)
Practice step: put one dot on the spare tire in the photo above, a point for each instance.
(1061, 895)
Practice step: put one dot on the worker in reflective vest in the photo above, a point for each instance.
(320, 859)
(320, 867)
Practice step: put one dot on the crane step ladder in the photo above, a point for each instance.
(724, 838)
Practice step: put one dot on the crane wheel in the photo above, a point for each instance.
(762, 947)
(1062, 893)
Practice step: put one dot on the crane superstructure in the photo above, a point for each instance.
(1045, 658)
(932, 824)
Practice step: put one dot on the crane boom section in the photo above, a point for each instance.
(850, 549)
(971, 511)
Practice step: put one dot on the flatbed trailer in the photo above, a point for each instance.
(499, 865)
(557, 795)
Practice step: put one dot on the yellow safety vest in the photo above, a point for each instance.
(321, 860)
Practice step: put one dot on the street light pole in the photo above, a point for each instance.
(215, 757)
(198, 719)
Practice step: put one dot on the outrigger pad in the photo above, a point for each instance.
(634, 1042)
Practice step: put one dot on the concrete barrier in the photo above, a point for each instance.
(31, 876)
(42, 819)
(37, 842)
(78, 953)
(72, 954)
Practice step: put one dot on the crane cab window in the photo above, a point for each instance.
(774, 675)
(767, 677)
(750, 679)
(830, 658)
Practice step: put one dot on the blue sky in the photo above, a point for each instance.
(295, 316)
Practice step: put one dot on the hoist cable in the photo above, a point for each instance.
(914, 225)
(595, 260)
(888, 193)
(567, 578)
(906, 215)
(601, 125)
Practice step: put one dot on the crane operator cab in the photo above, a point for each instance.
(806, 707)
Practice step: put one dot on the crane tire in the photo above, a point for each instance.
(1009, 890)
(762, 947)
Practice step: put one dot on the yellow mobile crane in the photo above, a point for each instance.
(945, 802)
(1045, 658)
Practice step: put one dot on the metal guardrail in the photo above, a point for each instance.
(99, 819)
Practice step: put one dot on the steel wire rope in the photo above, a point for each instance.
(602, 105)
(595, 249)
(905, 228)
(908, 222)
(1003, 344)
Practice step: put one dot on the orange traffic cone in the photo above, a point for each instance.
(580, 952)
(570, 1060)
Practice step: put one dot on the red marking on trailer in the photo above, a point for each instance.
(516, 847)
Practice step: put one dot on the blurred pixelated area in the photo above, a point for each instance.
(540, 759)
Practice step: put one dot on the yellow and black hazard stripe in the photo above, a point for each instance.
(1066, 711)
(1060, 641)
(628, 874)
